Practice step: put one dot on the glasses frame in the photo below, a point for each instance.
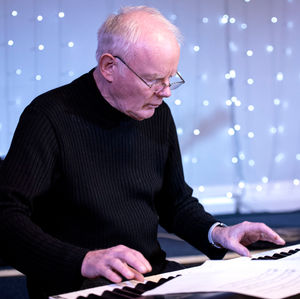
(173, 85)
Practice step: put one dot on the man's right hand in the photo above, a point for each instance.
(115, 262)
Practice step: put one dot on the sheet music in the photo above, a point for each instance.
(271, 279)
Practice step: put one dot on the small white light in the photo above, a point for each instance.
(258, 188)
(273, 130)
(201, 188)
(234, 99)
(250, 81)
(296, 182)
(177, 102)
(38, 77)
(194, 160)
(290, 25)
(10, 42)
(242, 156)
(281, 129)
(61, 14)
(196, 132)
(232, 20)
(244, 26)
(14, 13)
(288, 51)
(229, 194)
(279, 76)
(249, 53)
(205, 103)
(18, 71)
(274, 20)
(204, 77)
(233, 47)
(186, 159)
(269, 48)
(228, 102)
(237, 127)
(251, 163)
(232, 73)
(242, 185)
(238, 103)
(179, 131)
(279, 157)
(276, 102)
(247, 0)
(196, 48)
(251, 135)
(71, 73)
(298, 157)
(234, 160)
(41, 47)
(224, 19)
(173, 17)
(227, 76)
(18, 102)
(265, 180)
(204, 20)
(250, 107)
(70, 44)
(231, 131)
(1, 129)
(39, 18)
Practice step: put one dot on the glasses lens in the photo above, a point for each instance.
(174, 82)
(175, 85)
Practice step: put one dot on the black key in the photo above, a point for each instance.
(126, 293)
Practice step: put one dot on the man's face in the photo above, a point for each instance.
(155, 60)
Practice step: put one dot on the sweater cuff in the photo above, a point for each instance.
(210, 239)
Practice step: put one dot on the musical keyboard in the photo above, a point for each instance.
(135, 289)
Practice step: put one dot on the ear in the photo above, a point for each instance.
(106, 66)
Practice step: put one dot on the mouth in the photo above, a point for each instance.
(154, 105)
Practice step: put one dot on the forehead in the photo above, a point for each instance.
(159, 56)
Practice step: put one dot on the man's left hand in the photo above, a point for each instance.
(238, 236)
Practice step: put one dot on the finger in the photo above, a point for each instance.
(137, 275)
(133, 258)
(239, 249)
(143, 260)
(111, 275)
(123, 269)
(267, 234)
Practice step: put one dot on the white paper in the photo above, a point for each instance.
(271, 279)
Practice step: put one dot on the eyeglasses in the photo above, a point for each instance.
(158, 85)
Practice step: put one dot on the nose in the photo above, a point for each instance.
(165, 92)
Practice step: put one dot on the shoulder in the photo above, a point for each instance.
(63, 98)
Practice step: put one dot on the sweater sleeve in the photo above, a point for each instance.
(26, 174)
(179, 212)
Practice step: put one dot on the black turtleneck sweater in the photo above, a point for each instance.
(81, 175)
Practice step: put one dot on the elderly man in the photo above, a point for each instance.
(95, 166)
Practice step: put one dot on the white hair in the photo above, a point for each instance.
(118, 33)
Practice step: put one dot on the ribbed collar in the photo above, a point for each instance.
(93, 103)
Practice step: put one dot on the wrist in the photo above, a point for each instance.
(213, 232)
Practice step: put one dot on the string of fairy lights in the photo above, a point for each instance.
(239, 99)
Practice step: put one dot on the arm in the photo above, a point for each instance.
(179, 212)
(25, 176)
(28, 174)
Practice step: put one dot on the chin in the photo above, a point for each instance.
(144, 114)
